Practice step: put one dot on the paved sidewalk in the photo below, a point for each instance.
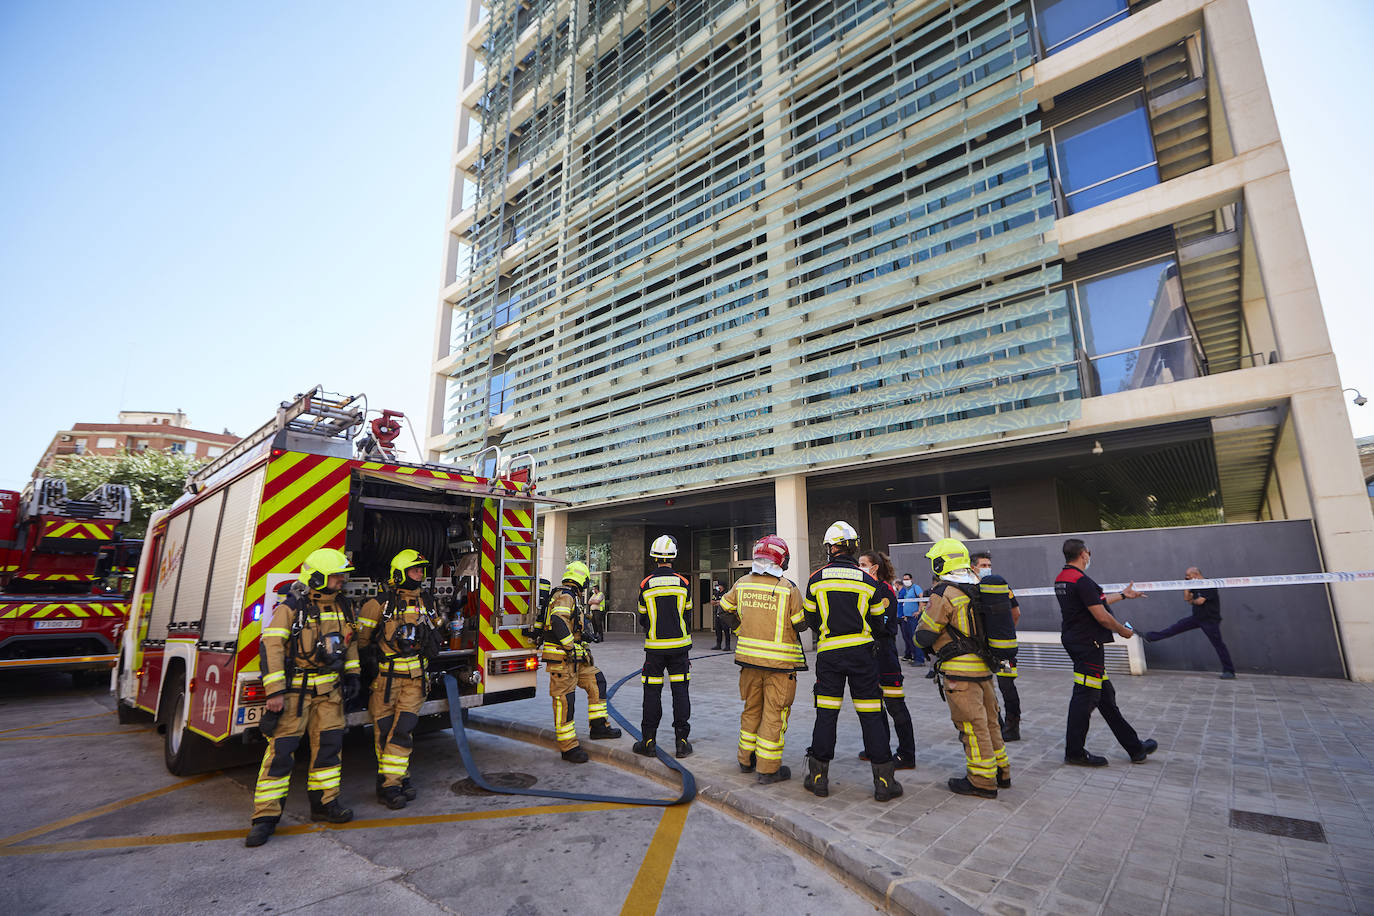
(1131, 839)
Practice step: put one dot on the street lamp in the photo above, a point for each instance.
(1359, 399)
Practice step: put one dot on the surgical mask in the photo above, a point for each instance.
(906, 581)
(984, 572)
(1087, 563)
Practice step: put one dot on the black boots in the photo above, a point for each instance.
(575, 755)
(748, 767)
(1085, 760)
(960, 785)
(261, 832)
(1147, 747)
(645, 747)
(392, 796)
(765, 779)
(900, 762)
(684, 747)
(1011, 729)
(817, 780)
(332, 811)
(885, 785)
(603, 729)
(1003, 778)
(407, 789)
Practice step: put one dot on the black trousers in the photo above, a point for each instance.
(1092, 690)
(1006, 682)
(678, 670)
(890, 680)
(723, 631)
(1212, 629)
(857, 666)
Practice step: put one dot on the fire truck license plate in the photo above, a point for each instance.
(56, 624)
(249, 715)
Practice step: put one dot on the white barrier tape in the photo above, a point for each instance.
(1178, 585)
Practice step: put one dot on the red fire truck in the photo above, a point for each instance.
(63, 594)
(212, 564)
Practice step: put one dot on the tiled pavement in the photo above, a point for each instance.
(1131, 839)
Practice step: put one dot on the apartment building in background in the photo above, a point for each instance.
(997, 269)
(136, 431)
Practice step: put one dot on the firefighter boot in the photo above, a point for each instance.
(407, 789)
(1011, 729)
(1003, 778)
(261, 832)
(960, 785)
(817, 780)
(748, 767)
(393, 797)
(333, 812)
(603, 729)
(764, 779)
(575, 755)
(684, 747)
(885, 784)
(645, 747)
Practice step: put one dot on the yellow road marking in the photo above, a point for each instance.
(135, 731)
(24, 728)
(647, 890)
(103, 809)
(168, 839)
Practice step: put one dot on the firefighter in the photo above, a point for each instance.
(842, 604)
(310, 669)
(1001, 613)
(403, 628)
(950, 627)
(665, 600)
(570, 666)
(765, 610)
(890, 677)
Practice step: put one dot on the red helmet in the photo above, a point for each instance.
(772, 549)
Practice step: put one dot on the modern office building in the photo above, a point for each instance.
(989, 268)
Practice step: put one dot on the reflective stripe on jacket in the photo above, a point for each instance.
(664, 600)
(841, 604)
(769, 610)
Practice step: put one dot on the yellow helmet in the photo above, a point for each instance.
(947, 555)
(578, 572)
(403, 562)
(321, 564)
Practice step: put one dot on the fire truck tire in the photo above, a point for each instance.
(183, 751)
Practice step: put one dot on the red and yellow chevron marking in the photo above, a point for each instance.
(54, 577)
(510, 486)
(68, 609)
(78, 531)
(304, 507)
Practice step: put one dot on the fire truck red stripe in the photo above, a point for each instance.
(275, 485)
(293, 543)
(303, 501)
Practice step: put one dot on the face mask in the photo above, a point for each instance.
(906, 582)
(1086, 563)
(984, 572)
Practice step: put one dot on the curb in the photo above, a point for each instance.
(879, 875)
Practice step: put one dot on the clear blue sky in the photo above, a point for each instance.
(211, 206)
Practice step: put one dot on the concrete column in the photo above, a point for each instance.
(789, 494)
(553, 548)
(629, 559)
(1341, 514)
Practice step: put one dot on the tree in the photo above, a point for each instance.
(155, 479)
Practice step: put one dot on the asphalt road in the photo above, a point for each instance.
(95, 824)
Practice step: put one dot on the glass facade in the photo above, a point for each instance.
(1105, 154)
(1064, 23)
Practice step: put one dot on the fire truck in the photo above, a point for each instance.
(63, 578)
(214, 564)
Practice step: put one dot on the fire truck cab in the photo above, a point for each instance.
(213, 562)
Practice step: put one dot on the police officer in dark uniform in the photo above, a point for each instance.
(1086, 626)
(842, 604)
(1001, 614)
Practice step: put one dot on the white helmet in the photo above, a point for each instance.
(841, 533)
(664, 548)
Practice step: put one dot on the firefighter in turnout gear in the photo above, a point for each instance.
(1001, 613)
(665, 599)
(951, 629)
(570, 666)
(309, 669)
(765, 610)
(842, 604)
(403, 626)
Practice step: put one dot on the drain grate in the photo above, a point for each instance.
(500, 780)
(1293, 827)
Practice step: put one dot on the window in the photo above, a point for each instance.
(141, 445)
(970, 516)
(1063, 23)
(104, 442)
(501, 398)
(191, 447)
(177, 447)
(1105, 154)
(1135, 327)
(213, 451)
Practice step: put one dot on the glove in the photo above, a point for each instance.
(352, 686)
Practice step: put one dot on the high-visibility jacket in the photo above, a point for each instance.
(288, 661)
(950, 607)
(406, 605)
(768, 610)
(843, 605)
(561, 631)
(665, 598)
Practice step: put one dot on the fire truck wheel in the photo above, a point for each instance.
(184, 752)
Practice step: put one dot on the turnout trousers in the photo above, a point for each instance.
(676, 667)
(564, 680)
(856, 666)
(1006, 682)
(890, 678)
(322, 719)
(1092, 690)
(393, 724)
(973, 709)
(767, 694)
